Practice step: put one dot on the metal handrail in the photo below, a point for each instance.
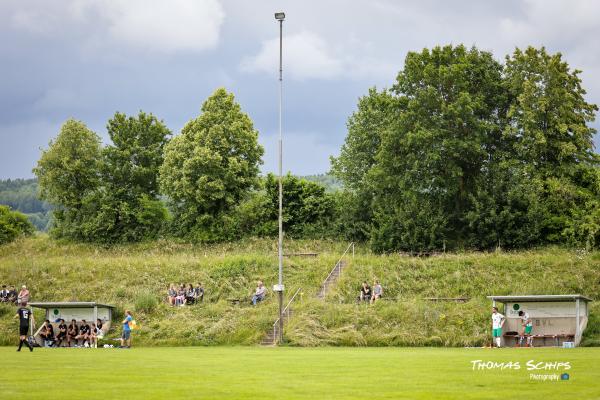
(286, 307)
(339, 261)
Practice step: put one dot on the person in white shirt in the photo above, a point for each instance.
(497, 324)
(259, 294)
(527, 327)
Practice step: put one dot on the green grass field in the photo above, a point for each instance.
(292, 373)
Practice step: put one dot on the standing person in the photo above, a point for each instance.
(259, 293)
(526, 328)
(25, 316)
(126, 335)
(72, 332)
(377, 292)
(62, 333)
(23, 296)
(497, 324)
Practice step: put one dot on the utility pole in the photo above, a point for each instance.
(280, 16)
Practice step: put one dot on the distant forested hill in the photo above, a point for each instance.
(21, 195)
(329, 181)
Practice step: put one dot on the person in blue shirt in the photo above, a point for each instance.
(126, 335)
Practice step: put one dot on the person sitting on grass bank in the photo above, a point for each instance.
(199, 292)
(190, 295)
(12, 295)
(23, 295)
(180, 299)
(171, 294)
(126, 335)
(72, 333)
(259, 293)
(377, 292)
(365, 292)
(4, 294)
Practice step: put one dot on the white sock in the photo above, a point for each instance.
(498, 341)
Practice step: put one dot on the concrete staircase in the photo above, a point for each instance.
(331, 278)
(272, 336)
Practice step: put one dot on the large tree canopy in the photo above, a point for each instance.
(211, 165)
(466, 152)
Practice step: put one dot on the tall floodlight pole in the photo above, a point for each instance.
(280, 16)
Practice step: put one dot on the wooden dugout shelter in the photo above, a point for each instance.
(556, 318)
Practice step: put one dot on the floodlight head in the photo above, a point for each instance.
(280, 16)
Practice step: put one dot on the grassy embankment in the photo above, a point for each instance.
(136, 276)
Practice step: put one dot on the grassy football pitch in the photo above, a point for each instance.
(295, 373)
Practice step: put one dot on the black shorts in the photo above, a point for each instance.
(23, 330)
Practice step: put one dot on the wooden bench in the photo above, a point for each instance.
(556, 338)
(456, 299)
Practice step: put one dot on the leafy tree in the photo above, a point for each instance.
(132, 161)
(127, 207)
(548, 115)
(13, 224)
(210, 166)
(68, 173)
(432, 156)
(466, 152)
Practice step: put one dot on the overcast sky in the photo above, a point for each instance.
(87, 59)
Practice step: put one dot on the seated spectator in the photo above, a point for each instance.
(180, 299)
(62, 333)
(377, 292)
(72, 332)
(365, 292)
(47, 334)
(190, 295)
(4, 294)
(23, 296)
(93, 336)
(171, 294)
(99, 331)
(84, 333)
(199, 292)
(12, 295)
(259, 293)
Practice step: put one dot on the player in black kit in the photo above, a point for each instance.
(25, 315)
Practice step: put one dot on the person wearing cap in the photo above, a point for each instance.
(23, 296)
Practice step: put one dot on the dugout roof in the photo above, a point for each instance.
(539, 298)
(69, 304)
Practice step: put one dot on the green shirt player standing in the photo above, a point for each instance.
(25, 315)
(497, 323)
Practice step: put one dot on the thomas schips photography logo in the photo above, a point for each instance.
(538, 370)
